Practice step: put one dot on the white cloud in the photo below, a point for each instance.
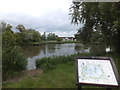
(42, 15)
(33, 7)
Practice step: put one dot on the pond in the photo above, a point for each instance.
(34, 52)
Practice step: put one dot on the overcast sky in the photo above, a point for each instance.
(42, 15)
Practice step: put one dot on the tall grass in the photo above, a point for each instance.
(49, 62)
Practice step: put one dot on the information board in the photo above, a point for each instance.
(97, 71)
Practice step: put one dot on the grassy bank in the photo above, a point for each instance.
(59, 73)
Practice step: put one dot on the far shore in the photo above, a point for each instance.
(47, 42)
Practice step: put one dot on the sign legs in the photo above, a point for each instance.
(79, 87)
(108, 88)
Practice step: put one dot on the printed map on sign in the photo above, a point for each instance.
(96, 72)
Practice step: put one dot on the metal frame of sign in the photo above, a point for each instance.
(99, 85)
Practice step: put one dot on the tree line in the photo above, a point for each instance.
(101, 22)
(25, 36)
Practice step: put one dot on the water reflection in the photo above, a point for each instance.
(31, 51)
(80, 48)
(35, 52)
(98, 49)
(51, 48)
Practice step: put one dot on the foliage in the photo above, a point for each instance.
(43, 37)
(98, 17)
(50, 62)
(35, 35)
(21, 28)
(6, 27)
(25, 36)
(59, 39)
(12, 59)
(52, 37)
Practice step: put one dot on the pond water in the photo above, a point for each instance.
(34, 52)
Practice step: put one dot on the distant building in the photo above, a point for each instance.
(68, 38)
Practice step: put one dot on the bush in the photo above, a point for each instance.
(12, 59)
(49, 62)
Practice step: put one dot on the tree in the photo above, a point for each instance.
(3, 26)
(21, 28)
(43, 37)
(52, 36)
(59, 39)
(35, 35)
(28, 35)
(12, 58)
(94, 15)
(6, 27)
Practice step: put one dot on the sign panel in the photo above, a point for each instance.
(96, 71)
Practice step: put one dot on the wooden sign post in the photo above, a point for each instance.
(96, 71)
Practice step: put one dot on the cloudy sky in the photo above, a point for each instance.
(42, 15)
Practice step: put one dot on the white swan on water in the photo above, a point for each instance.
(108, 50)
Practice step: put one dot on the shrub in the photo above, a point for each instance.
(48, 63)
(12, 59)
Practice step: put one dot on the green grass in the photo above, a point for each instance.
(63, 75)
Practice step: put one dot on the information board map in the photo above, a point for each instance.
(96, 72)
